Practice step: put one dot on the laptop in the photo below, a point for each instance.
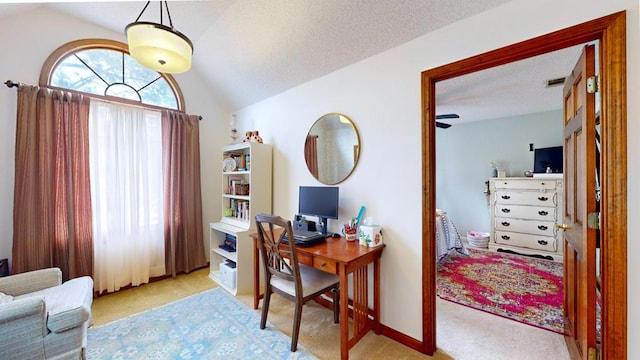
(305, 238)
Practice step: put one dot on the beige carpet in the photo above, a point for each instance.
(463, 333)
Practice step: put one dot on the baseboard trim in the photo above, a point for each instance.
(403, 339)
(392, 334)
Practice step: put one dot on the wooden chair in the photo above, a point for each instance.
(286, 277)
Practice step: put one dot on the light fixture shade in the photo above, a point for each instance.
(159, 47)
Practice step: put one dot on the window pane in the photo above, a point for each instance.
(123, 91)
(73, 74)
(137, 75)
(100, 72)
(159, 93)
(106, 63)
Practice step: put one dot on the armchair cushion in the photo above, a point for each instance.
(68, 305)
(31, 281)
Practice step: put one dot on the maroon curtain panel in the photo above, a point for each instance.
(52, 194)
(184, 241)
(311, 154)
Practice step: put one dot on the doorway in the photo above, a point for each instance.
(507, 114)
(610, 31)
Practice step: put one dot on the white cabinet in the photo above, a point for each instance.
(524, 212)
(246, 191)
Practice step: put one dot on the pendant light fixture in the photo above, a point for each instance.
(157, 46)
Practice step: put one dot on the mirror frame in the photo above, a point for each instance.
(356, 151)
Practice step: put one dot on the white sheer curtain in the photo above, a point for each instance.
(125, 156)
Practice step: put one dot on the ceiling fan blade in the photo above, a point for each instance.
(447, 116)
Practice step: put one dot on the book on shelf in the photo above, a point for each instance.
(239, 209)
(229, 243)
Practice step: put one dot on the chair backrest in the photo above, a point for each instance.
(279, 258)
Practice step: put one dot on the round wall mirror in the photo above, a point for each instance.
(332, 148)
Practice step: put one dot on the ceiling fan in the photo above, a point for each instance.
(445, 116)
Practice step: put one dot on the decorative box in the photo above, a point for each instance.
(242, 189)
(370, 235)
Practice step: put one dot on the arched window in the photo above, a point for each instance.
(105, 68)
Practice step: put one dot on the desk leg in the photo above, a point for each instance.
(376, 296)
(256, 276)
(361, 322)
(344, 313)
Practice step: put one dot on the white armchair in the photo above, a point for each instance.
(43, 318)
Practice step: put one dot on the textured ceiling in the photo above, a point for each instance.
(517, 88)
(250, 50)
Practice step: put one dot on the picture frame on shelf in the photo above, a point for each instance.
(229, 164)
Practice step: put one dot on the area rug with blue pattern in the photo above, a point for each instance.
(210, 325)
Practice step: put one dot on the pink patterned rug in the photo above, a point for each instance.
(516, 287)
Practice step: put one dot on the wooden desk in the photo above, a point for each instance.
(337, 256)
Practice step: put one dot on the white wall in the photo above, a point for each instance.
(464, 152)
(24, 50)
(382, 96)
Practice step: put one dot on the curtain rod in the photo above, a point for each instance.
(11, 84)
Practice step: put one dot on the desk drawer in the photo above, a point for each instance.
(305, 259)
(325, 265)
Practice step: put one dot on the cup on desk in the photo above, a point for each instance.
(350, 233)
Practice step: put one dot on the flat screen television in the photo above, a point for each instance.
(548, 157)
(319, 201)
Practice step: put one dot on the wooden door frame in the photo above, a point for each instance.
(610, 31)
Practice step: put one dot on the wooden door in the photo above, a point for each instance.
(579, 236)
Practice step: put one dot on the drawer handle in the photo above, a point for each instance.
(323, 264)
(543, 242)
(506, 197)
(542, 227)
(506, 210)
(505, 223)
(505, 237)
(543, 198)
(543, 212)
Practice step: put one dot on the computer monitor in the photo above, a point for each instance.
(319, 201)
(550, 157)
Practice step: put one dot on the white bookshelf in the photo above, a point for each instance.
(239, 222)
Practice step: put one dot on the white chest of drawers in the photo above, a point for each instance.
(524, 212)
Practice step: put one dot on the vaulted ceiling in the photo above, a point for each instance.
(250, 50)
